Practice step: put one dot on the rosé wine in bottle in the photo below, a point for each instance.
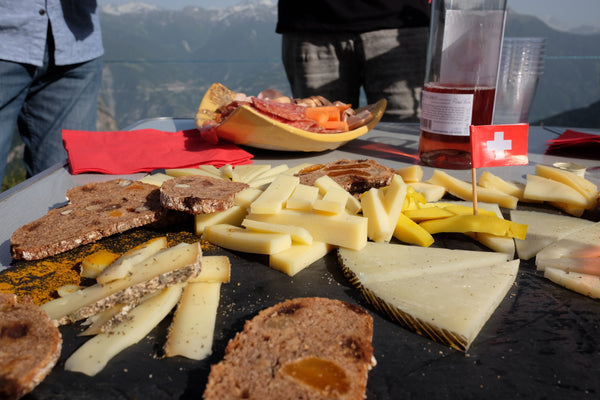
(448, 112)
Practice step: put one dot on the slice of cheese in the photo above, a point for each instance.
(123, 266)
(245, 197)
(192, 330)
(408, 231)
(543, 229)
(204, 171)
(476, 224)
(93, 264)
(491, 181)
(581, 243)
(326, 183)
(587, 188)
(265, 179)
(464, 190)
(587, 285)
(386, 261)
(297, 233)
(303, 198)
(166, 261)
(450, 307)
(343, 229)
(94, 354)
(156, 179)
(430, 191)
(380, 227)
(333, 201)
(232, 216)
(298, 257)
(215, 269)
(272, 199)
(247, 173)
(240, 239)
(539, 188)
(413, 173)
(582, 265)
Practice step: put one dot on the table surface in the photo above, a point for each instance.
(541, 342)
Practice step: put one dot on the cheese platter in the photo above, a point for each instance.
(520, 350)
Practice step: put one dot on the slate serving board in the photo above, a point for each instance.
(542, 342)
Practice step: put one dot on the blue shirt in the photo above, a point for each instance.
(75, 26)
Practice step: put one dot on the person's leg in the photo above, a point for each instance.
(63, 97)
(15, 79)
(395, 70)
(322, 65)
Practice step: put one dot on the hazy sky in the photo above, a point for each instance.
(560, 13)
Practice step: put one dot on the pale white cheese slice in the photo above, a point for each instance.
(588, 285)
(380, 262)
(94, 354)
(543, 229)
(449, 307)
(581, 243)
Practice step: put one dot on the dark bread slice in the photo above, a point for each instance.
(305, 348)
(94, 211)
(30, 346)
(356, 176)
(198, 194)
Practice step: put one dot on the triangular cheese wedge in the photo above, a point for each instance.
(543, 229)
(581, 243)
(380, 261)
(450, 307)
(588, 285)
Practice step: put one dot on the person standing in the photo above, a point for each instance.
(50, 73)
(333, 48)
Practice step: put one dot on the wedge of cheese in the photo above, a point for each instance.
(543, 229)
(448, 304)
(540, 188)
(579, 251)
(587, 285)
(298, 257)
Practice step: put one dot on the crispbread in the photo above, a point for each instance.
(356, 176)
(199, 194)
(94, 211)
(305, 348)
(30, 345)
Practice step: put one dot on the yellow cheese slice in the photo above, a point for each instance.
(325, 183)
(232, 216)
(430, 191)
(387, 261)
(333, 201)
(491, 181)
(266, 178)
(539, 188)
(245, 197)
(205, 170)
(298, 234)
(123, 266)
(587, 188)
(413, 173)
(93, 264)
(94, 354)
(303, 198)
(408, 231)
(215, 269)
(240, 239)
(477, 224)
(343, 229)
(192, 330)
(156, 179)
(247, 173)
(272, 199)
(380, 227)
(543, 229)
(464, 190)
(298, 257)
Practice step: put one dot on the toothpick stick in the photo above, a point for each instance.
(474, 183)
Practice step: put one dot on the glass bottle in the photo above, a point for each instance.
(460, 80)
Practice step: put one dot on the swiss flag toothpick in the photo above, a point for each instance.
(497, 146)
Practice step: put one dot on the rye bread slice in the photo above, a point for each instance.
(94, 211)
(30, 346)
(304, 348)
(198, 194)
(356, 176)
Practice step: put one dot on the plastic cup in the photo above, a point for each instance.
(521, 65)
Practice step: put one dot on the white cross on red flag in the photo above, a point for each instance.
(499, 145)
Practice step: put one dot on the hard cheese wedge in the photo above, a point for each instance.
(588, 285)
(578, 251)
(543, 229)
(384, 261)
(449, 305)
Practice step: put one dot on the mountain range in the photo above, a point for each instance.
(159, 62)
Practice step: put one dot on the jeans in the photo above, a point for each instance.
(41, 101)
(388, 64)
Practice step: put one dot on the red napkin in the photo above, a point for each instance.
(144, 150)
(575, 143)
